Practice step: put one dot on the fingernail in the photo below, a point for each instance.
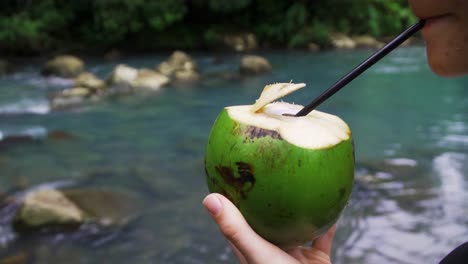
(212, 204)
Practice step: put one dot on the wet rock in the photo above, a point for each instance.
(5, 67)
(71, 97)
(341, 41)
(313, 47)
(48, 207)
(254, 65)
(366, 41)
(90, 81)
(187, 76)
(113, 54)
(65, 66)
(106, 207)
(180, 66)
(240, 42)
(149, 79)
(68, 209)
(122, 75)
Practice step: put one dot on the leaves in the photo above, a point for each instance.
(45, 24)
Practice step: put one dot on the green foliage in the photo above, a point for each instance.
(41, 25)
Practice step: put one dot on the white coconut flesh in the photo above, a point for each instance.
(317, 130)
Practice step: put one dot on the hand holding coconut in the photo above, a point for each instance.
(250, 248)
(284, 180)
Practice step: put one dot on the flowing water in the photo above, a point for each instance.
(410, 199)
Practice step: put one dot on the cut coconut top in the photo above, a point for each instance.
(317, 130)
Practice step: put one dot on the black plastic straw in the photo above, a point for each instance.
(362, 67)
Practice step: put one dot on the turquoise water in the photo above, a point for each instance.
(409, 204)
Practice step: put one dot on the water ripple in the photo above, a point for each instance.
(26, 106)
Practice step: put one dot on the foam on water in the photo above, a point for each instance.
(35, 132)
(449, 167)
(26, 106)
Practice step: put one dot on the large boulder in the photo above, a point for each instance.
(122, 75)
(48, 207)
(366, 41)
(240, 41)
(106, 206)
(180, 67)
(90, 81)
(253, 65)
(132, 78)
(149, 79)
(58, 208)
(341, 41)
(65, 66)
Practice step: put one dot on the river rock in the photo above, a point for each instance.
(240, 42)
(313, 47)
(90, 81)
(48, 207)
(341, 41)
(65, 66)
(149, 79)
(113, 54)
(105, 206)
(71, 97)
(180, 66)
(122, 75)
(366, 41)
(5, 67)
(253, 65)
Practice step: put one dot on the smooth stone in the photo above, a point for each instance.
(149, 79)
(240, 42)
(253, 65)
(89, 80)
(65, 66)
(48, 207)
(105, 206)
(313, 47)
(178, 61)
(122, 75)
(366, 41)
(342, 41)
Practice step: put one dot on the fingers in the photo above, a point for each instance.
(324, 243)
(239, 255)
(235, 228)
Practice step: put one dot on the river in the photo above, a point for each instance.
(410, 199)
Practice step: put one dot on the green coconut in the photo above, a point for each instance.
(291, 177)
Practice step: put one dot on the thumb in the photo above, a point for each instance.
(235, 228)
